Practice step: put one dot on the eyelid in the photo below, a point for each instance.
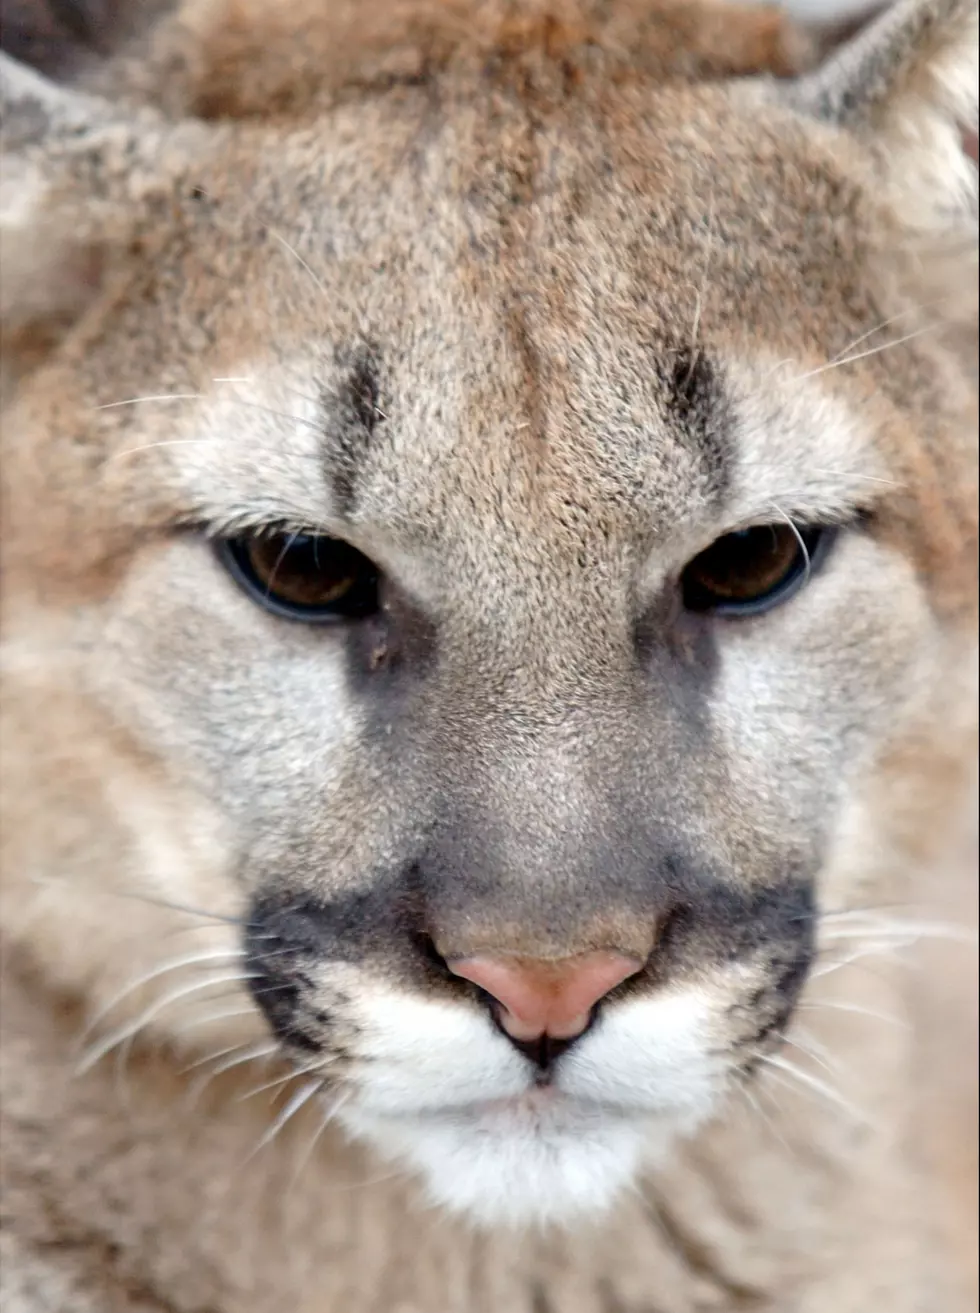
(253, 524)
(784, 513)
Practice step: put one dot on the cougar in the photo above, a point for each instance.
(489, 580)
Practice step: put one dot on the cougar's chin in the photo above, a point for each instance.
(521, 1161)
(502, 1140)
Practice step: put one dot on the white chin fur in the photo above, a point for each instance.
(445, 1093)
(520, 1166)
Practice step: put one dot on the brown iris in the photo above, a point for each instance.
(304, 576)
(750, 570)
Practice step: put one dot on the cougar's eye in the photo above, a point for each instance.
(303, 576)
(749, 571)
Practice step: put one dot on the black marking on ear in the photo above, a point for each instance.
(352, 411)
(78, 19)
(58, 37)
(696, 404)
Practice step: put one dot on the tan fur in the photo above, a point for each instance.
(523, 210)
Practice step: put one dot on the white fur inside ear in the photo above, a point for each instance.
(45, 273)
(906, 87)
(22, 195)
(33, 106)
(76, 176)
(931, 179)
(47, 269)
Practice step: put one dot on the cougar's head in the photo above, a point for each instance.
(482, 540)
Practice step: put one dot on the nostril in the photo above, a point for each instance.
(557, 999)
(427, 951)
(543, 1051)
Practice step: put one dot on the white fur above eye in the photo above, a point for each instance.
(444, 1092)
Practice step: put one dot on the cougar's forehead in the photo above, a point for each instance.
(524, 346)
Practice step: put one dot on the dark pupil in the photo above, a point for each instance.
(746, 565)
(308, 570)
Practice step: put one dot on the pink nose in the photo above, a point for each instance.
(547, 998)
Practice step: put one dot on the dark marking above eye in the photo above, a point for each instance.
(691, 381)
(696, 405)
(352, 410)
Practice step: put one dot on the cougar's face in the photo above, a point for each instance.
(520, 610)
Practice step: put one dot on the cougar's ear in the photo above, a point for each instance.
(907, 85)
(906, 89)
(79, 179)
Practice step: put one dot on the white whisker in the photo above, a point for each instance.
(279, 560)
(176, 930)
(253, 1053)
(892, 319)
(870, 938)
(866, 478)
(863, 355)
(809, 1047)
(400, 1175)
(902, 930)
(700, 294)
(260, 1049)
(138, 401)
(854, 1009)
(212, 1017)
(875, 912)
(150, 446)
(329, 1115)
(190, 959)
(768, 1122)
(891, 950)
(318, 282)
(120, 1074)
(799, 538)
(282, 1080)
(815, 1084)
(301, 1096)
(860, 914)
(176, 907)
(121, 1033)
